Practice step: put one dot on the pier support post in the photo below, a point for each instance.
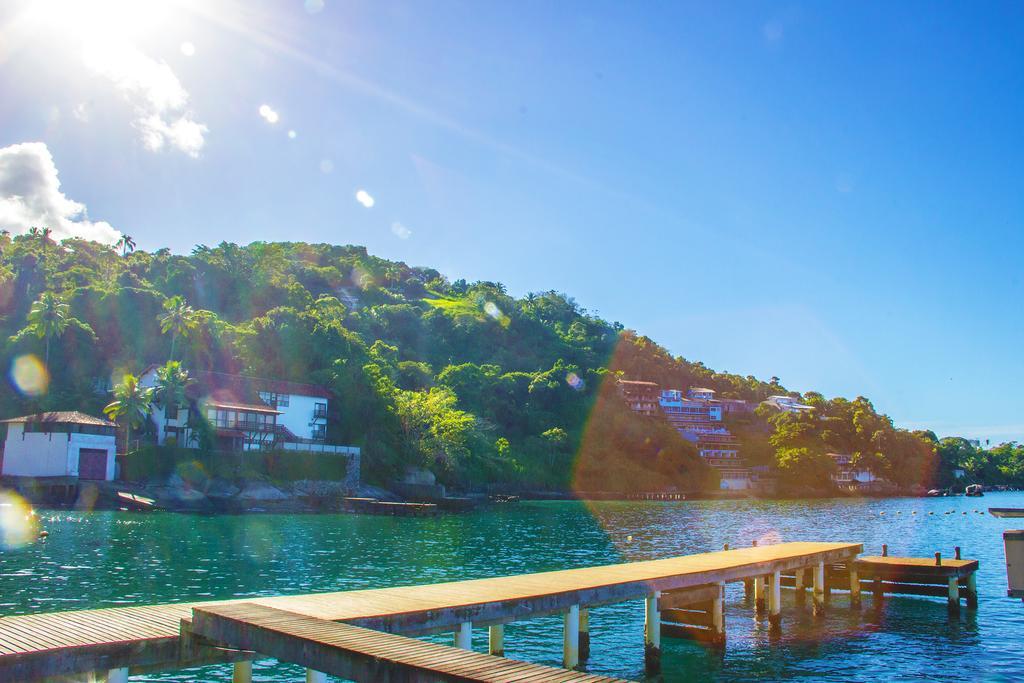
(775, 600)
(748, 588)
(798, 585)
(854, 586)
(571, 638)
(972, 591)
(584, 634)
(464, 635)
(242, 672)
(496, 640)
(118, 675)
(759, 594)
(652, 634)
(954, 594)
(718, 615)
(819, 588)
(315, 676)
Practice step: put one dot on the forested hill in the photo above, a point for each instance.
(479, 386)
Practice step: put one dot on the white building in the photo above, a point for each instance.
(847, 476)
(248, 413)
(59, 444)
(788, 404)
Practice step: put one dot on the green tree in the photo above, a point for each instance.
(126, 244)
(132, 404)
(172, 381)
(48, 318)
(179, 319)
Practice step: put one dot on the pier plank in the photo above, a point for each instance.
(352, 652)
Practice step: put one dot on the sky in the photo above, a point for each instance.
(831, 193)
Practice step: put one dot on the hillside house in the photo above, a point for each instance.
(247, 413)
(788, 404)
(849, 477)
(641, 397)
(59, 444)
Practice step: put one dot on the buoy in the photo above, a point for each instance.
(44, 533)
(931, 513)
(881, 513)
(913, 512)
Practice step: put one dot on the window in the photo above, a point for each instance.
(320, 410)
(274, 399)
(319, 432)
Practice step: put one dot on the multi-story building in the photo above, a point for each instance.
(641, 397)
(847, 476)
(247, 413)
(698, 418)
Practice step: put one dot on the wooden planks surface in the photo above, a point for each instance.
(878, 565)
(357, 653)
(61, 643)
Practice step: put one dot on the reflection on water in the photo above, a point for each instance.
(108, 558)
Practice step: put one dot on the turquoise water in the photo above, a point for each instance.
(103, 559)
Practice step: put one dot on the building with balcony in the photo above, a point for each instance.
(246, 413)
(641, 397)
(701, 393)
(849, 477)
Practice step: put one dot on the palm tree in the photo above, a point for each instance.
(179, 319)
(172, 381)
(126, 244)
(48, 318)
(132, 404)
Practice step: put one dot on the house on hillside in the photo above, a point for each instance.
(788, 404)
(851, 478)
(641, 397)
(701, 393)
(59, 445)
(247, 413)
(735, 406)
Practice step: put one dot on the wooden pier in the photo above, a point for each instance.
(370, 634)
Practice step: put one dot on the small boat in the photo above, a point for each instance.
(133, 501)
(1006, 512)
(974, 490)
(935, 493)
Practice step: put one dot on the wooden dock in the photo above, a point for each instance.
(174, 636)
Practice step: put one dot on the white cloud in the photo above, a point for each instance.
(154, 91)
(188, 49)
(268, 114)
(30, 196)
(364, 198)
(401, 231)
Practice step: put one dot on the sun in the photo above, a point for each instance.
(101, 20)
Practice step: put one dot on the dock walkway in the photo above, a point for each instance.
(149, 638)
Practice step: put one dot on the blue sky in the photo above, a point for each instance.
(827, 192)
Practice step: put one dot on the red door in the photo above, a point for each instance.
(92, 463)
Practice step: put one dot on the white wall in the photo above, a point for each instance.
(298, 415)
(39, 454)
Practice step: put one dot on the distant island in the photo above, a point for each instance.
(482, 390)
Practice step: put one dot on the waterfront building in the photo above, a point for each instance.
(247, 413)
(849, 477)
(701, 393)
(59, 445)
(641, 397)
(788, 404)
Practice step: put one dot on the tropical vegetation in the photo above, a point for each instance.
(483, 388)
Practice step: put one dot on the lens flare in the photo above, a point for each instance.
(575, 381)
(19, 524)
(29, 375)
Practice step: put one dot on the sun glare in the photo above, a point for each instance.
(120, 20)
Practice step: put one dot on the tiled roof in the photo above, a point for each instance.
(62, 417)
